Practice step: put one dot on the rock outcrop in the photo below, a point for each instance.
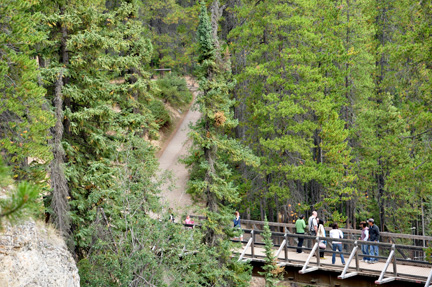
(33, 254)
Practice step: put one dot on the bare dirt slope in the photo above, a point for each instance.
(175, 148)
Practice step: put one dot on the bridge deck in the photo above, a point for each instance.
(420, 273)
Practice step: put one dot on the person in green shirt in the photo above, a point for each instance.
(300, 229)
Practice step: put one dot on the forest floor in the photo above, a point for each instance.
(173, 147)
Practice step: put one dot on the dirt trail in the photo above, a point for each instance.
(177, 146)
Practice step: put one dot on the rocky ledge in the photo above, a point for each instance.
(33, 254)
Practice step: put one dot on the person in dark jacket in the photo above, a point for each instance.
(374, 236)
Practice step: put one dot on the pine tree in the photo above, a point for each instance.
(171, 32)
(212, 153)
(308, 75)
(400, 92)
(19, 202)
(272, 272)
(24, 115)
(102, 57)
(288, 89)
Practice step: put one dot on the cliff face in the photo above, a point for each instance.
(32, 254)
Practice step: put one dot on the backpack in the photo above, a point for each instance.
(311, 225)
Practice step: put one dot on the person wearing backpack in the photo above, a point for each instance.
(313, 224)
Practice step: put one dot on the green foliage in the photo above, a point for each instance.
(329, 97)
(160, 114)
(171, 24)
(211, 155)
(334, 98)
(20, 200)
(428, 254)
(293, 91)
(24, 116)
(338, 218)
(272, 272)
(173, 89)
(110, 169)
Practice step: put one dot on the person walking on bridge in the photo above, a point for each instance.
(364, 237)
(374, 236)
(321, 233)
(237, 224)
(300, 229)
(336, 233)
(313, 224)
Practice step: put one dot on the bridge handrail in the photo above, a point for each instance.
(345, 230)
(343, 240)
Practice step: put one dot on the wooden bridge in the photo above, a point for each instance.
(402, 256)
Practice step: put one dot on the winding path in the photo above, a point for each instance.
(174, 193)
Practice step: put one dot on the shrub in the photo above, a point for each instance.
(174, 90)
(160, 113)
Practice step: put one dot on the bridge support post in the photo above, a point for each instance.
(253, 243)
(381, 279)
(282, 246)
(286, 247)
(247, 246)
(344, 274)
(305, 269)
(428, 282)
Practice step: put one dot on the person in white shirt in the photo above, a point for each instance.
(336, 233)
(364, 237)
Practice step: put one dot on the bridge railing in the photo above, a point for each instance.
(286, 241)
(354, 234)
(384, 248)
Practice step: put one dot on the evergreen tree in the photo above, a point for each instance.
(20, 200)
(211, 154)
(291, 91)
(272, 272)
(171, 25)
(24, 115)
(401, 78)
(102, 57)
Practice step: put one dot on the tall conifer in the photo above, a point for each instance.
(24, 114)
(213, 151)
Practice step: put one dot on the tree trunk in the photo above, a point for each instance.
(60, 191)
